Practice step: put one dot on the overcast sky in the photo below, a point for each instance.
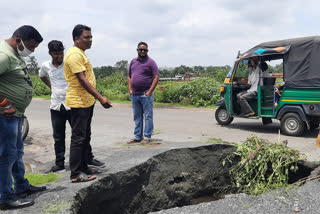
(179, 32)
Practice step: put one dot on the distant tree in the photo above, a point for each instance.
(103, 71)
(198, 69)
(211, 71)
(227, 67)
(279, 68)
(122, 66)
(182, 69)
(32, 65)
(165, 73)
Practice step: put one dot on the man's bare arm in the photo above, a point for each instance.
(153, 85)
(129, 85)
(91, 90)
(46, 81)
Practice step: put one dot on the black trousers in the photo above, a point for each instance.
(58, 120)
(80, 139)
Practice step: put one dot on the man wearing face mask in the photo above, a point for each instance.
(15, 95)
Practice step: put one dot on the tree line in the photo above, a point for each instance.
(217, 72)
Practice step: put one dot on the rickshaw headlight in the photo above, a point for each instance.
(222, 90)
(226, 80)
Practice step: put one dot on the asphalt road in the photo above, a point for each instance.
(182, 127)
(174, 128)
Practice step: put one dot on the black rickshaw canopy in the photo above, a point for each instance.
(301, 59)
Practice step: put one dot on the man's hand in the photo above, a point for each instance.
(105, 102)
(9, 110)
(148, 93)
(130, 92)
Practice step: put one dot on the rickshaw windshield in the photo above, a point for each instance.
(242, 70)
(230, 72)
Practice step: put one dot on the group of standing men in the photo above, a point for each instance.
(73, 95)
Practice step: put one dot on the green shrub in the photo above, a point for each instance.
(114, 87)
(202, 92)
(39, 88)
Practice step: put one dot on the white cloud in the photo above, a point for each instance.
(189, 32)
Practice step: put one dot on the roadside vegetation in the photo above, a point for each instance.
(202, 91)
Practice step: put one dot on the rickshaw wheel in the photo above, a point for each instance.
(222, 116)
(292, 125)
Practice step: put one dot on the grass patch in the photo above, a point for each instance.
(56, 207)
(118, 101)
(157, 131)
(47, 97)
(38, 179)
(214, 140)
(246, 206)
(170, 105)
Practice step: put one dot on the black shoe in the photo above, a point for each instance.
(56, 168)
(15, 204)
(31, 190)
(95, 162)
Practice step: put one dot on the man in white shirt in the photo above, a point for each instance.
(253, 81)
(60, 113)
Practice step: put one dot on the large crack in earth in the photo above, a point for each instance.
(174, 178)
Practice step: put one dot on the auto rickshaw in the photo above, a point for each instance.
(296, 103)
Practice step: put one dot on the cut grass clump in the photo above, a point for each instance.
(56, 207)
(38, 179)
(263, 166)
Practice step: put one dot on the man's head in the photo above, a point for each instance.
(254, 61)
(142, 49)
(82, 37)
(26, 39)
(56, 51)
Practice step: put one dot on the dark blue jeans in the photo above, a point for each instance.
(58, 120)
(11, 163)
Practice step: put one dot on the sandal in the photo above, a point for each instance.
(83, 178)
(249, 114)
(146, 140)
(133, 141)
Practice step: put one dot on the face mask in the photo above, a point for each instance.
(25, 51)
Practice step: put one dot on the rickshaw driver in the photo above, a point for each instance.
(253, 81)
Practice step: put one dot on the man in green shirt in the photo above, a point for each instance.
(15, 95)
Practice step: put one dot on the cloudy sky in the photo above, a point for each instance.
(179, 32)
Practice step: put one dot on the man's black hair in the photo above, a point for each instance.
(27, 33)
(142, 43)
(78, 29)
(55, 46)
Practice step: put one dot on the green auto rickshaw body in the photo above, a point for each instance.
(298, 107)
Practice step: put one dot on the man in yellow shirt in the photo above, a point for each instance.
(81, 96)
